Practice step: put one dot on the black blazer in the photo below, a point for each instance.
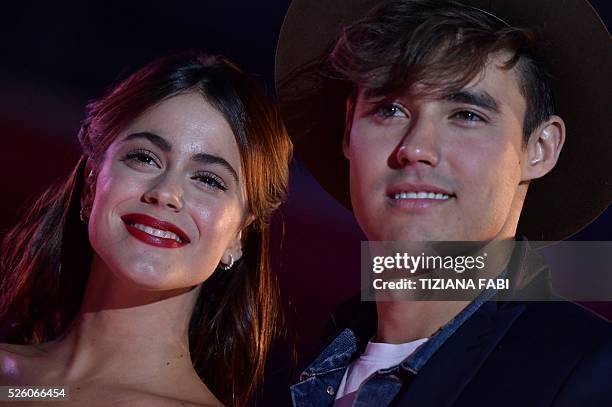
(508, 354)
(519, 354)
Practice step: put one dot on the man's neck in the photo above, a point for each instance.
(406, 321)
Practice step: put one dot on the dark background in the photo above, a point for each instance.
(58, 55)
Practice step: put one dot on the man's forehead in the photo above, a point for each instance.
(494, 84)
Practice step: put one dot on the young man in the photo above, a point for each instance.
(449, 114)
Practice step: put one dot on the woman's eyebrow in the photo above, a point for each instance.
(165, 146)
(213, 159)
(159, 141)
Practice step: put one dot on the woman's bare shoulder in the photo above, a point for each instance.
(9, 349)
(20, 356)
(19, 363)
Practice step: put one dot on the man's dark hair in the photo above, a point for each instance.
(441, 46)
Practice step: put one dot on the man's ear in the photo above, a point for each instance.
(348, 123)
(543, 148)
(89, 189)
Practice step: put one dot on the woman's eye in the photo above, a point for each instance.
(142, 157)
(390, 110)
(468, 116)
(210, 180)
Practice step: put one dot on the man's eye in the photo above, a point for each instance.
(391, 110)
(142, 157)
(210, 180)
(468, 116)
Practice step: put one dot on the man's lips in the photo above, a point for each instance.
(418, 196)
(162, 230)
(418, 191)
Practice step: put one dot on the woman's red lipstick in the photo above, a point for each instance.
(134, 221)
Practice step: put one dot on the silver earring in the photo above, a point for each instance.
(229, 265)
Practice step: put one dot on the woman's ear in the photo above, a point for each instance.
(244, 233)
(233, 253)
(543, 148)
(89, 190)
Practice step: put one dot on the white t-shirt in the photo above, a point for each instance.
(377, 356)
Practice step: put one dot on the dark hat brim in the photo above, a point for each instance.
(578, 52)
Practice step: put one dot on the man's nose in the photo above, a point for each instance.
(418, 145)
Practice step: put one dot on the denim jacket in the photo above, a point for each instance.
(319, 381)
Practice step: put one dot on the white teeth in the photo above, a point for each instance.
(421, 195)
(156, 232)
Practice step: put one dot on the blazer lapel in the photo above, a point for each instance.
(442, 379)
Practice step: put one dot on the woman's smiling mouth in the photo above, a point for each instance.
(154, 232)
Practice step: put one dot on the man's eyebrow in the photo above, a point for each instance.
(159, 141)
(213, 159)
(479, 98)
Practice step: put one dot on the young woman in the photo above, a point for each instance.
(144, 277)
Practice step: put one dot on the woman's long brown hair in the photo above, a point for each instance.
(46, 257)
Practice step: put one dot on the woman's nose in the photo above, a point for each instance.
(167, 192)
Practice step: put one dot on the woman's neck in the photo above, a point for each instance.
(126, 334)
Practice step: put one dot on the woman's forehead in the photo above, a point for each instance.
(189, 124)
